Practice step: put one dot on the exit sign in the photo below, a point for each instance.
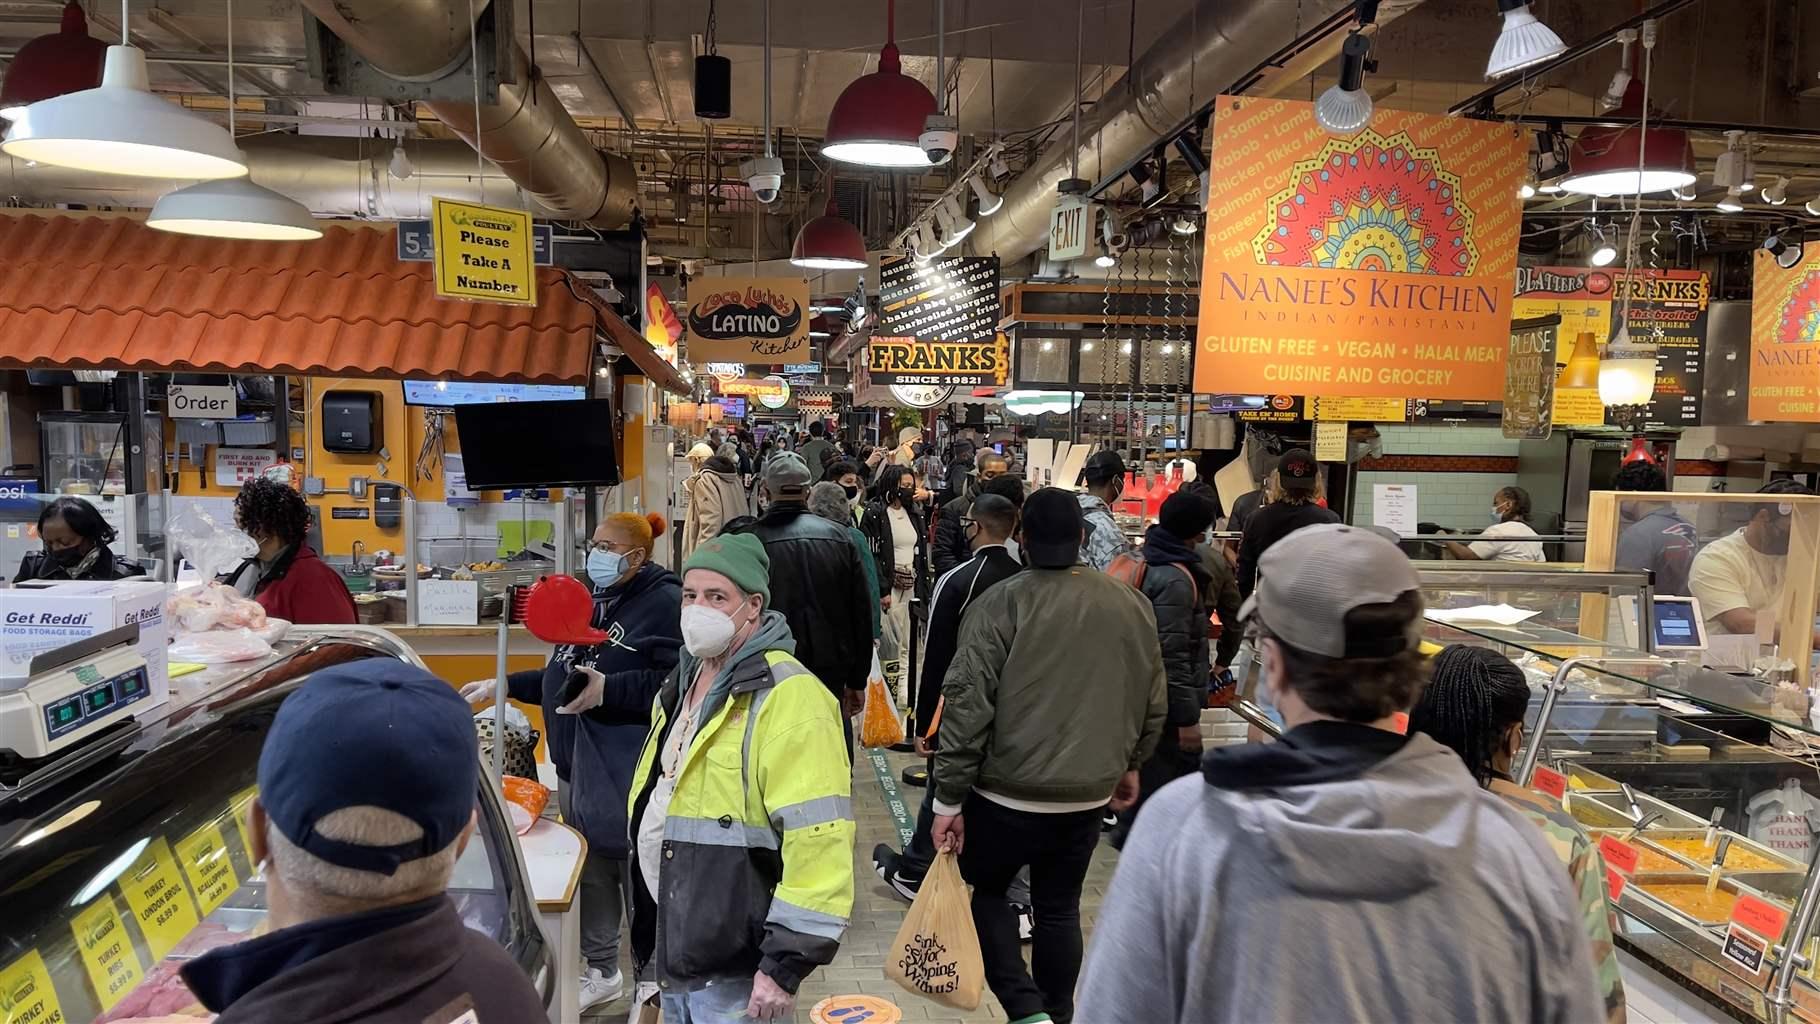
(1068, 224)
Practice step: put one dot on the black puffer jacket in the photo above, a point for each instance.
(819, 585)
(1178, 587)
(36, 565)
(950, 548)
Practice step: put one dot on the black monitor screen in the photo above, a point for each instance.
(537, 444)
(1675, 625)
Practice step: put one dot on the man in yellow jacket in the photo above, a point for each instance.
(741, 806)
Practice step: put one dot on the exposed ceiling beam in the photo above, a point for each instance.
(600, 77)
(251, 77)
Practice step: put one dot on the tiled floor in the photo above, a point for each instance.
(877, 913)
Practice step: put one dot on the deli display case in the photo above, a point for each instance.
(125, 856)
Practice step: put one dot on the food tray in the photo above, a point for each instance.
(1609, 810)
(1585, 780)
(1770, 859)
(1685, 894)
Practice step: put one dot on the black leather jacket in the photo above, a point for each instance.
(106, 566)
(819, 585)
(875, 523)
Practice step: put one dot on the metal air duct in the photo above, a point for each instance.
(526, 131)
(1200, 56)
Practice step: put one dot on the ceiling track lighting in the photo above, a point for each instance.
(989, 201)
(1732, 201)
(1621, 78)
(1785, 247)
(1184, 224)
(1603, 253)
(1523, 41)
(1813, 207)
(1346, 107)
(1776, 194)
(925, 246)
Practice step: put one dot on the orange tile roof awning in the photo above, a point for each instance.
(111, 293)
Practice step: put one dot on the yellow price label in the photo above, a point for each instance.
(1377, 410)
(26, 995)
(154, 889)
(240, 807)
(204, 856)
(113, 965)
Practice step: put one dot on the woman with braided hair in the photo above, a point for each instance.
(1474, 705)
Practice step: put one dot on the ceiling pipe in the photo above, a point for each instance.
(525, 131)
(1200, 56)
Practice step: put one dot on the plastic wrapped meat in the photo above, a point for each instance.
(163, 995)
(213, 606)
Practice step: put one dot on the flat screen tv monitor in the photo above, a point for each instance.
(537, 444)
(733, 408)
(457, 392)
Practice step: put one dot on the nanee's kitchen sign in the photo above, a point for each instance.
(1373, 265)
(912, 361)
(1785, 339)
(483, 253)
(760, 320)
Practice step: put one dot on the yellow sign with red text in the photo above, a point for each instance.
(1374, 265)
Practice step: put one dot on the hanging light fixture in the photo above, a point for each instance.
(1523, 42)
(1184, 224)
(1346, 107)
(956, 225)
(1732, 201)
(1620, 79)
(1603, 252)
(1627, 371)
(1604, 162)
(829, 242)
(1582, 369)
(1527, 190)
(878, 119)
(1785, 248)
(121, 128)
(926, 246)
(1777, 193)
(65, 61)
(1105, 258)
(233, 207)
(1685, 193)
(989, 201)
(1813, 207)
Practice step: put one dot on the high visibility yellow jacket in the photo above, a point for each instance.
(758, 843)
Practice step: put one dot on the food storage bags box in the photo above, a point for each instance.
(35, 618)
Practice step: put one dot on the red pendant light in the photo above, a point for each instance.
(829, 242)
(878, 119)
(1603, 161)
(68, 60)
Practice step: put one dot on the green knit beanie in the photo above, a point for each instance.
(739, 557)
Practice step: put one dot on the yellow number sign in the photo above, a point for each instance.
(483, 253)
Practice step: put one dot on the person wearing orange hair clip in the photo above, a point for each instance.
(597, 709)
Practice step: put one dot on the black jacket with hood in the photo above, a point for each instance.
(819, 585)
(950, 548)
(105, 565)
(1178, 589)
(953, 593)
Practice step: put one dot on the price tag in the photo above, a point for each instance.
(1619, 856)
(1614, 885)
(1760, 916)
(26, 992)
(204, 856)
(113, 965)
(154, 889)
(1745, 948)
(1547, 780)
(240, 805)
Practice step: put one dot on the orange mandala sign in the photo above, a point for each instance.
(1374, 265)
(1785, 339)
(856, 1009)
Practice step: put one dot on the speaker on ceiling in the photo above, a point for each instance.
(713, 86)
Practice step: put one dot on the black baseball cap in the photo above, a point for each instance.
(1052, 528)
(1103, 466)
(379, 733)
(1297, 470)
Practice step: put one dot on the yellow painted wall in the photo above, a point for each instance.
(456, 669)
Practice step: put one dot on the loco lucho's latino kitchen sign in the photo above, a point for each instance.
(1374, 265)
(759, 320)
(1785, 339)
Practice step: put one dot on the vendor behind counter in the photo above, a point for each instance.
(285, 575)
(76, 540)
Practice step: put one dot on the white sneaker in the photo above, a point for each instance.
(597, 988)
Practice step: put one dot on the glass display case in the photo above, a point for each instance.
(88, 453)
(127, 856)
(1549, 597)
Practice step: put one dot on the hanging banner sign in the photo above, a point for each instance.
(201, 402)
(962, 364)
(1785, 339)
(759, 320)
(1668, 308)
(1529, 380)
(1378, 264)
(948, 298)
(483, 253)
(1276, 409)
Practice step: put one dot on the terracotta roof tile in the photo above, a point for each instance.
(111, 293)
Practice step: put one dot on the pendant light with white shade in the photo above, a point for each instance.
(234, 208)
(121, 128)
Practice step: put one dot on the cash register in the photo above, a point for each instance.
(73, 693)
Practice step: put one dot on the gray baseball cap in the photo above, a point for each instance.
(787, 475)
(1311, 581)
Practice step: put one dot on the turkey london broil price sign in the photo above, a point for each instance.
(484, 253)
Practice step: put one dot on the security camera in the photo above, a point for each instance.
(941, 133)
(765, 175)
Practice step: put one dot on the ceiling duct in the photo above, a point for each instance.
(525, 130)
(1200, 56)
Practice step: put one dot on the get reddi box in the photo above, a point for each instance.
(39, 617)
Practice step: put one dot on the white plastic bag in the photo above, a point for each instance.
(214, 606)
(217, 646)
(209, 546)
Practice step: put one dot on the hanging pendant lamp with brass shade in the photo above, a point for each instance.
(1582, 369)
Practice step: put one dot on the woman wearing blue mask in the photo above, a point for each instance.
(597, 708)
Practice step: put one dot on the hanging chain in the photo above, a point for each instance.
(713, 27)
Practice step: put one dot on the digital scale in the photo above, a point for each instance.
(73, 692)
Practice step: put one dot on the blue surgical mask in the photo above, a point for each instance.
(605, 567)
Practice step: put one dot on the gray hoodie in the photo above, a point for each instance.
(1390, 888)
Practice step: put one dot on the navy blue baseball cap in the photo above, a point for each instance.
(378, 733)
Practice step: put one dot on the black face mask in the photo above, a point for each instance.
(852, 491)
(65, 557)
(906, 496)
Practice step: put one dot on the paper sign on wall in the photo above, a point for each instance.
(1377, 264)
(1330, 442)
(448, 602)
(483, 253)
(235, 466)
(1394, 505)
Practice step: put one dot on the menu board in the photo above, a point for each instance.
(1668, 309)
(948, 298)
(1529, 380)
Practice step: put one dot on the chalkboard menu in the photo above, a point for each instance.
(948, 298)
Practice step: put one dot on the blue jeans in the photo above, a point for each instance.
(720, 1002)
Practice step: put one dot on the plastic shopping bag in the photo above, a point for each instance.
(879, 725)
(937, 952)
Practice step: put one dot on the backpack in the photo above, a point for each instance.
(1130, 567)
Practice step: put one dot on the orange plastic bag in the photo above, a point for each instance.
(936, 953)
(879, 724)
(525, 801)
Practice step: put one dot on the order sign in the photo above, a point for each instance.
(484, 253)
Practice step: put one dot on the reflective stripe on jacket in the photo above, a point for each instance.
(758, 843)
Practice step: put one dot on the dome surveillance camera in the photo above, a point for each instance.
(765, 175)
(941, 133)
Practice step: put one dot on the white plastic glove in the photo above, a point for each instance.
(590, 696)
(478, 692)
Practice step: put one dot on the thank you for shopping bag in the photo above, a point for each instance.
(937, 952)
